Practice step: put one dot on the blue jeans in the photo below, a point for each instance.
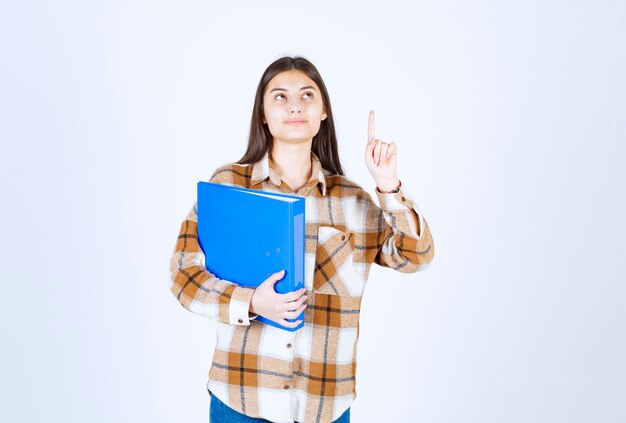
(221, 413)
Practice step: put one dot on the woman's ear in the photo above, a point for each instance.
(324, 116)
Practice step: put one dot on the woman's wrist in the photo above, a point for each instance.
(390, 187)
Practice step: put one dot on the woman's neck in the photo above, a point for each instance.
(292, 163)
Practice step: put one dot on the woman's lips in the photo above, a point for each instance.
(295, 122)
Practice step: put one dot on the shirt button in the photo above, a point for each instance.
(240, 320)
(288, 345)
(343, 237)
(403, 199)
(286, 387)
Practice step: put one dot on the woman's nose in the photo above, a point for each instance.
(294, 106)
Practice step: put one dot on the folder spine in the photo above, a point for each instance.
(294, 277)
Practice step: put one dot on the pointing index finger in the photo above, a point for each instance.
(370, 127)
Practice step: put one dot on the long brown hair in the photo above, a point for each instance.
(260, 141)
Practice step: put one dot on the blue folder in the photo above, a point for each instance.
(248, 234)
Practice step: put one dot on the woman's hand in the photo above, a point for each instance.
(278, 307)
(381, 159)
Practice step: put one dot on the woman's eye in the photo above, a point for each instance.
(308, 95)
(279, 95)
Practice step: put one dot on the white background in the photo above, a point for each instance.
(510, 122)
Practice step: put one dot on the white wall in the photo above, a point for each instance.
(510, 121)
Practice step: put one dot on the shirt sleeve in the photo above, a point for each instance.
(405, 247)
(197, 289)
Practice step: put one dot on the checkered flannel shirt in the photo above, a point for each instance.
(307, 375)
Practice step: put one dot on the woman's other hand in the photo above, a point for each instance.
(278, 307)
(381, 159)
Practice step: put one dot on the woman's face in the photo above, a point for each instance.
(293, 107)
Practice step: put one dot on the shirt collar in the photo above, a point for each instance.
(262, 170)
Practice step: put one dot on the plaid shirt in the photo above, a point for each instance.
(307, 375)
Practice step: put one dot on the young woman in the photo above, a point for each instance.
(260, 373)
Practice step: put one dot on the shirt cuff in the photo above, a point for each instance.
(400, 202)
(239, 306)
